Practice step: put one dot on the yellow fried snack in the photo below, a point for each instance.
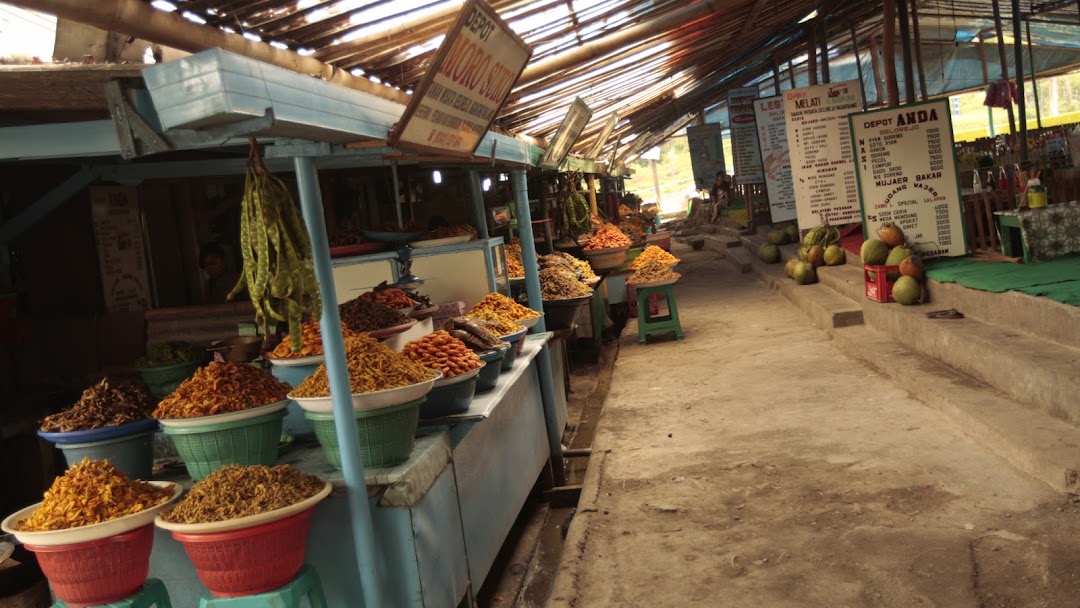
(91, 492)
(372, 367)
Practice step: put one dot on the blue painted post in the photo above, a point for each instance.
(532, 287)
(363, 532)
(476, 192)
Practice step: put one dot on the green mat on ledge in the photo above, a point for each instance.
(1057, 279)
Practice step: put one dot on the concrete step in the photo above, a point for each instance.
(826, 308)
(1038, 316)
(846, 280)
(1032, 440)
(739, 257)
(1027, 368)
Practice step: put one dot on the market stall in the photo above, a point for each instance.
(403, 518)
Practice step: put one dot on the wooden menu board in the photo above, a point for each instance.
(822, 163)
(907, 175)
(776, 162)
(744, 142)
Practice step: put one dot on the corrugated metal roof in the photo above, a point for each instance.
(674, 58)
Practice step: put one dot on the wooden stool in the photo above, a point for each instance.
(305, 584)
(648, 324)
(153, 593)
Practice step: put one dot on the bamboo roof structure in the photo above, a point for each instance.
(660, 64)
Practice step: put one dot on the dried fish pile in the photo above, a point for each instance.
(560, 283)
(102, 405)
(361, 315)
(653, 272)
(243, 490)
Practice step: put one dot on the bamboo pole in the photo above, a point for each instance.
(918, 48)
(668, 23)
(986, 79)
(888, 53)
(824, 41)
(858, 65)
(1034, 83)
(875, 65)
(905, 50)
(141, 20)
(1004, 61)
(1021, 98)
(776, 74)
(811, 53)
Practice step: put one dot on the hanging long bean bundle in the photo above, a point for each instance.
(278, 270)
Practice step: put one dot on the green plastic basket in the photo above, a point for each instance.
(208, 448)
(163, 380)
(386, 434)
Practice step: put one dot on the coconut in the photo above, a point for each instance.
(792, 232)
(789, 268)
(770, 254)
(804, 252)
(906, 290)
(874, 252)
(816, 256)
(777, 237)
(912, 266)
(897, 255)
(804, 273)
(891, 234)
(834, 255)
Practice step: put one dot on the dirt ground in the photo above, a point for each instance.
(754, 465)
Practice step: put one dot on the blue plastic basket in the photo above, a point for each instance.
(489, 374)
(131, 454)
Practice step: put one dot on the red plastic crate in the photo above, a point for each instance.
(97, 572)
(879, 289)
(251, 560)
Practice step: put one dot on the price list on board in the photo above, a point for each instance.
(822, 161)
(907, 175)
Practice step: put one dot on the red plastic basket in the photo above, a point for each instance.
(879, 288)
(252, 560)
(100, 571)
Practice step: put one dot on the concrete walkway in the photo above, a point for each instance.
(755, 465)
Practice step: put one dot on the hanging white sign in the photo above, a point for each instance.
(822, 162)
(907, 175)
(744, 142)
(706, 153)
(117, 221)
(569, 130)
(466, 85)
(776, 162)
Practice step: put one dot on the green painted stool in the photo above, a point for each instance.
(305, 584)
(654, 325)
(153, 593)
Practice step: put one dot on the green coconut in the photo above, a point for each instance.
(770, 254)
(777, 237)
(834, 255)
(792, 232)
(896, 256)
(804, 273)
(789, 268)
(906, 290)
(816, 256)
(874, 252)
(804, 253)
